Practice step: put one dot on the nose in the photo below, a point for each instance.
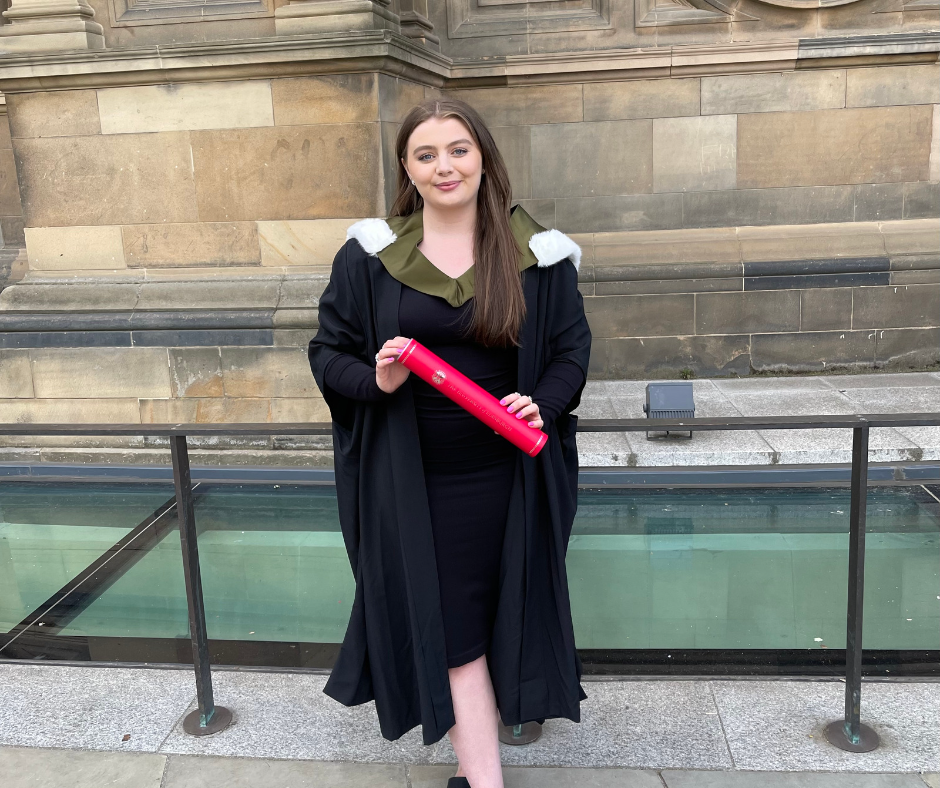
(444, 165)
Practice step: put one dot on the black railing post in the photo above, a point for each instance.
(207, 718)
(850, 734)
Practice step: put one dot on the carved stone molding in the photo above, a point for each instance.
(472, 18)
(128, 13)
(654, 13)
(301, 17)
(50, 26)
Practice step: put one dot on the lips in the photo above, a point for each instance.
(447, 185)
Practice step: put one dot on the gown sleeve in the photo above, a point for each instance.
(559, 387)
(340, 342)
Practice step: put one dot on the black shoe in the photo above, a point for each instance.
(458, 782)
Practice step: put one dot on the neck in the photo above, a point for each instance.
(455, 222)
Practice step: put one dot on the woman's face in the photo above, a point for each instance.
(445, 163)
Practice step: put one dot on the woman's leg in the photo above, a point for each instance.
(475, 737)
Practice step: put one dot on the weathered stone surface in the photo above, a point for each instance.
(302, 241)
(176, 107)
(666, 357)
(903, 349)
(6, 141)
(60, 113)
(624, 212)
(812, 351)
(916, 236)
(267, 372)
(9, 186)
(68, 411)
(526, 105)
(78, 297)
(74, 248)
(747, 312)
(896, 307)
(825, 308)
(303, 291)
(694, 154)
(219, 294)
(882, 86)
(287, 172)
(189, 245)
(543, 211)
(214, 410)
(195, 372)
(641, 316)
(642, 98)
(934, 173)
(331, 98)
(775, 92)
(296, 410)
(878, 202)
(16, 379)
(719, 244)
(100, 373)
(800, 205)
(515, 146)
(107, 179)
(592, 159)
(11, 227)
(830, 147)
(808, 242)
(921, 201)
(396, 97)
(646, 286)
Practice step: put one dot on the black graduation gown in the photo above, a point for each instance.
(394, 649)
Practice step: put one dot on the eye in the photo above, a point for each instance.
(460, 151)
(423, 155)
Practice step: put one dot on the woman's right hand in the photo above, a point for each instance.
(389, 374)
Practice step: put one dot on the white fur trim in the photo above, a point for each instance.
(373, 235)
(551, 246)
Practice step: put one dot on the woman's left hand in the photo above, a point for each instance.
(524, 408)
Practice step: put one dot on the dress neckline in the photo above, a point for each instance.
(406, 263)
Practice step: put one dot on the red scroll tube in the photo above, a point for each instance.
(471, 397)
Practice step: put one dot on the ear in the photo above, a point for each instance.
(551, 246)
(373, 235)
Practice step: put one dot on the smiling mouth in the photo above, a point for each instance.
(446, 184)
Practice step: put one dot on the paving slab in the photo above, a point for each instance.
(193, 772)
(895, 399)
(544, 777)
(775, 780)
(933, 780)
(802, 447)
(778, 726)
(30, 767)
(91, 708)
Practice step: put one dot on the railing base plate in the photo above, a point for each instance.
(867, 741)
(219, 722)
(528, 733)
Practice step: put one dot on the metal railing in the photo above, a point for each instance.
(848, 734)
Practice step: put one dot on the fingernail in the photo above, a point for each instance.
(518, 415)
(502, 401)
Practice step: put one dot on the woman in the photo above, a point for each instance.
(457, 539)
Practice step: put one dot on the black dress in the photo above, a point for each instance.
(468, 467)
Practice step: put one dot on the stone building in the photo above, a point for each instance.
(755, 184)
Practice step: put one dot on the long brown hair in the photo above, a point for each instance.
(499, 302)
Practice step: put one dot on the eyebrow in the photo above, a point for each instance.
(431, 147)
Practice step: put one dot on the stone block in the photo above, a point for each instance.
(195, 372)
(921, 201)
(515, 146)
(665, 357)
(647, 286)
(397, 97)
(747, 312)
(642, 98)
(100, 373)
(825, 308)
(69, 411)
(641, 316)
(16, 378)
(298, 410)
(623, 212)
(213, 410)
(902, 349)
(6, 141)
(812, 351)
(808, 241)
(934, 167)
(831, 147)
(302, 241)
(719, 244)
(737, 207)
(190, 245)
(107, 179)
(330, 98)
(68, 297)
(9, 186)
(888, 85)
(192, 105)
(592, 159)
(291, 337)
(915, 236)
(525, 105)
(30, 766)
(694, 154)
(11, 227)
(59, 113)
(209, 294)
(74, 248)
(878, 202)
(296, 318)
(303, 292)
(785, 91)
(267, 372)
(287, 172)
(896, 307)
